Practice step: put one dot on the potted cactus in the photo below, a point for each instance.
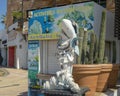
(105, 68)
(85, 70)
(92, 64)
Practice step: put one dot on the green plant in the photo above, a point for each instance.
(18, 17)
(81, 33)
(91, 51)
(17, 14)
(105, 60)
(84, 49)
(102, 37)
(96, 59)
(91, 48)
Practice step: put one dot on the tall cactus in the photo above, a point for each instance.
(102, 37)
(81, 33)
(84, 49)
(96, 47)
(91, 50)
(96, 50)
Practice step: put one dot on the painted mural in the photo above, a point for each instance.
(44, 24)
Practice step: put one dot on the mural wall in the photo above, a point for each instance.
(44, 24)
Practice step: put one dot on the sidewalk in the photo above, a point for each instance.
(15, 83)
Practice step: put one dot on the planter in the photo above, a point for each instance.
(113, 76)
(86, 75)
(103, 77)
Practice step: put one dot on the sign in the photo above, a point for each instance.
(44, 24)
(33, 59)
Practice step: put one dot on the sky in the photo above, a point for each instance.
(3, 9)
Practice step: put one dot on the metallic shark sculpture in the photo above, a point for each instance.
(67, 48)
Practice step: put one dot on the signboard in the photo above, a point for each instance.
(33, 63)
(33, 59)
(44, 24)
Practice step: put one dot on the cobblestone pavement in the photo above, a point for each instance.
(15, 83)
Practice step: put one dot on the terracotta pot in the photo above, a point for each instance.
(103, 77)
(86, 75)
(113, 76)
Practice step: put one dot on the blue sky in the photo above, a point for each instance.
(3, 9)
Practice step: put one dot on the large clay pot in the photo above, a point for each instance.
(86, 75)
(113, 76)
(103, 77)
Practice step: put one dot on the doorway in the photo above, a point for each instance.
(11, 57)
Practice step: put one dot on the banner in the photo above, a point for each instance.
(44, 24)
(33, 62)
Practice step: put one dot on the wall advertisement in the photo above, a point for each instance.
(33, 62)
(44, 24)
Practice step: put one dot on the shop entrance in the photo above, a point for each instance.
(50, 64)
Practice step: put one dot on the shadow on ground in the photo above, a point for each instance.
(9, 85)
(3, 72)
(109, 93)
(23, 94)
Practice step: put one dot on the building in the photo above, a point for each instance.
(3, 47)
(18, 11)
(17, 14)
(17, 48)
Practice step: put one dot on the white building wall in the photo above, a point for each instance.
(22, 52)
(3, 36)
(110, 27)
(97, 18)
(4, 55)
(20, 49)
(109, 24)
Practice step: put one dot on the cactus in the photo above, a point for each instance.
(96, 47)
(85, 40)
(96, 50)
(81, 33)
(105, 60)
(102, 37)
(91, 50)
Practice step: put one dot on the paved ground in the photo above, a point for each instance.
(15, 83)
